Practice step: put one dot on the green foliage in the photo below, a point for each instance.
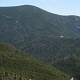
(38, 33)
(70, 66)
(13, 62)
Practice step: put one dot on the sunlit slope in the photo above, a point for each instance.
(15, 62)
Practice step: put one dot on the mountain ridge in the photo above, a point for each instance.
(36, 7)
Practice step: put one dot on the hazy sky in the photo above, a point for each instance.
(62, 7)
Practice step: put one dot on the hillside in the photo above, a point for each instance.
(52, 38)
(51, 50)
(70, 65)
(32, 22)
(38, 32)
(13, 63)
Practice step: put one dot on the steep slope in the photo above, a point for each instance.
(32, 21)
(15, 64)
(38, 32)
(70, 66)
(46, 36)
(54, 49)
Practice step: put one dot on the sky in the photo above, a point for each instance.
(61, 7)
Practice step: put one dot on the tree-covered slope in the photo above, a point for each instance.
(70, 65)
(38, 32)
(13, 63)
(41, 34)
(32, 21)
(22, 25)
(53, 49)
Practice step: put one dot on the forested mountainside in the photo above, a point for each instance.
(38, 32)
(70, 65)
(16, 65)
(46, 36)
(51, 50)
